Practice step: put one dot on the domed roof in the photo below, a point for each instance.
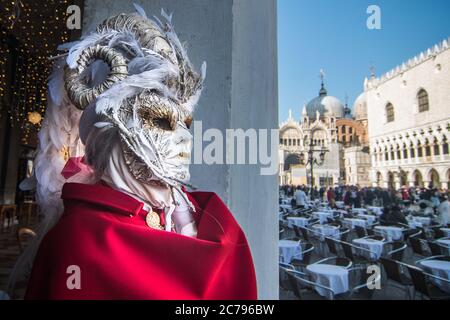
(326, 105)
(360, 107)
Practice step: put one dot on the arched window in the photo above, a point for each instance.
(436, 150)
(405, 152)
(427, 148)
(445, 146)
(390, 112)
(422, 100)
(419, 150)
(412, 151)
(399, 154)
(392, 153)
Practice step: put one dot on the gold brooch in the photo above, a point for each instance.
(153, 221)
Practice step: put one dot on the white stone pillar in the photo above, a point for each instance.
(238, 40)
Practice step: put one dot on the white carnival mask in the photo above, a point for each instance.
(148, 94)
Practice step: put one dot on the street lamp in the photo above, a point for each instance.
(312, 159)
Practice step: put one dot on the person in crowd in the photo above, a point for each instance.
(387, 197)
(435, 198)
(321, 192)
(405, 194)
(443, 211)
(393, 215)
(347, 200)
(425, 209)
(331, 198)
(368, 197)
(300, 198)
(358, 199)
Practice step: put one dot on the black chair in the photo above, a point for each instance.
(376, 237)
(435, 248)
(398, 250)
(396, 276)
(438, 233)
(417, 247)
(363, 290)
(297, 231)
(304, 232)
(411, 233)
(332, 246)
(424, 286)
(313, 221)
(370, 232)
(285, 284)
(306, 252)
(301, 286)
(348, 252)
(293, 283)
(343, 234)
(360, 231)
(337, 261)
(423, 234)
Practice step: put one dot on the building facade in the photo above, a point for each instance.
(409, 122)
(325, 124)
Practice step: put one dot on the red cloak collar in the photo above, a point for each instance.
(103, 233)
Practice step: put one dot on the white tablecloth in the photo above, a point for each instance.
(351, 223)
(340, 204)
(370, 218)
(286, 201)
(446, 231)
(286, 206)
(334, 277)
(445, 243)
(359, 210)
(297, 221)
(390, 233)
(377, 210)
(438, 268)
(326, 231)
(288, 249)
(323, 215)
(420, 222)
(375, 246)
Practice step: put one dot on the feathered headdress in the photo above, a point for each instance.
(129, 57)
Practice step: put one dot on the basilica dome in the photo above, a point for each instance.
(326, 106)
(360, 107)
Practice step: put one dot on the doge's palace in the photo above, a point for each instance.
(409, 121)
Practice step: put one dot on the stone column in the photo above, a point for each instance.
(441, 151)
(238, 40)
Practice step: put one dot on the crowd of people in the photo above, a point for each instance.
(396, 203)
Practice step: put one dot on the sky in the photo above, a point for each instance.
(332, 35)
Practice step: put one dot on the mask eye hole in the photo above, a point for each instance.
(162, 123)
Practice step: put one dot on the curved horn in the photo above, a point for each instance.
(78, 91)
(143, 28)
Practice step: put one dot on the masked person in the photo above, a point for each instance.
(115, 147)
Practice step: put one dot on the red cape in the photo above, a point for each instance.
(103, 231)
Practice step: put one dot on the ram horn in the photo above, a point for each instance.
(79, 92)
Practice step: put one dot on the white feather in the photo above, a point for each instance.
(140, 10)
